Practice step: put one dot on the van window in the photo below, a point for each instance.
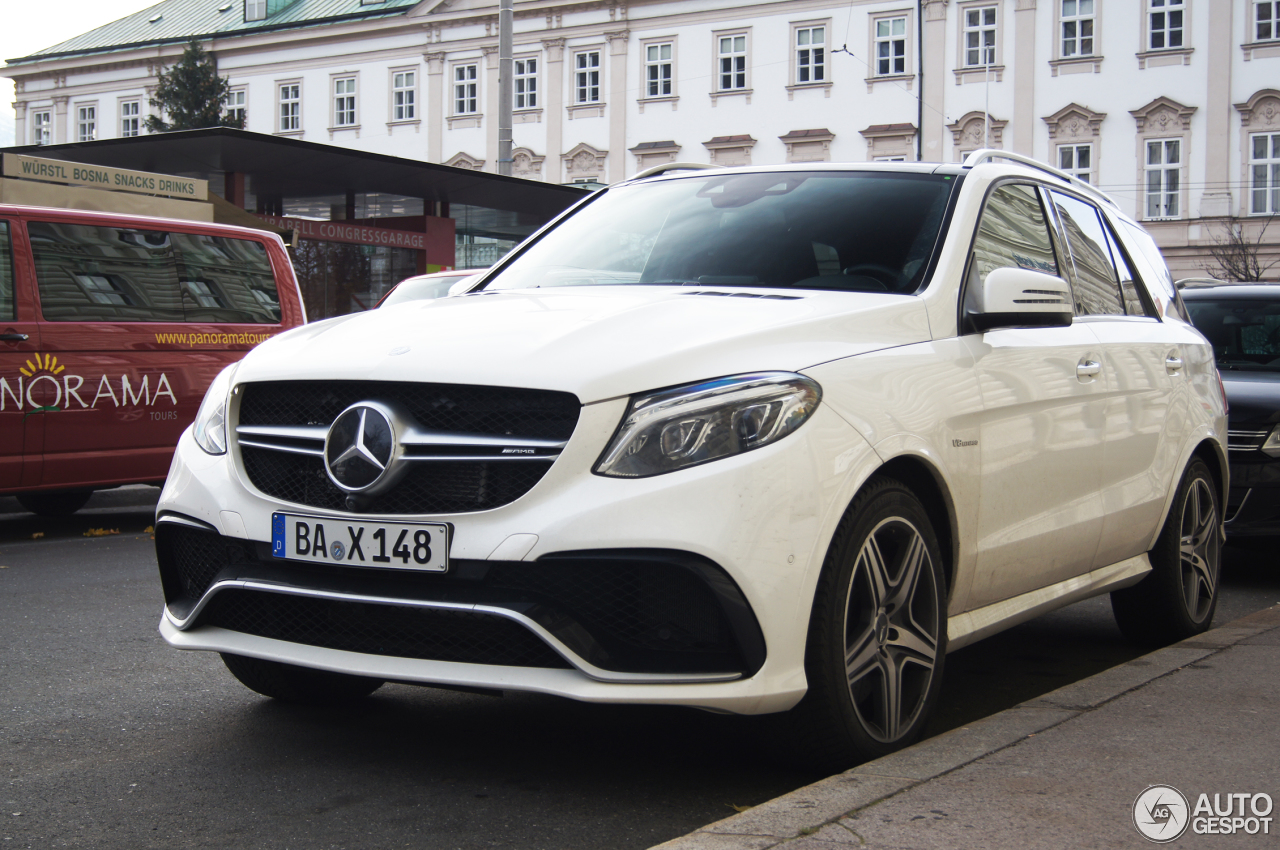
(92, 273)
(6, 274)
(225, 279)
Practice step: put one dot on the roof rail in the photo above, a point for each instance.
(655, 170)
(988, 154)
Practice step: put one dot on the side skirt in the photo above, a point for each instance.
(972, 626)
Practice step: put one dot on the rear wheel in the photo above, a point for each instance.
(63, 503)
(877, 637)
(1178, 597)
(290, 683)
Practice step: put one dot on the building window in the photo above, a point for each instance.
(1077, 28)
(811, 55)
(891, 46)
(1165, 23)
(586, 77)
(404, 93)
(290, 107)
(237, 106)
(1164, 161)
(86, 123)
(255, 10)
(1264, 169)
(732, 55)
(1264, 20)
(980, 36)
(526, 79)
(42, 128)
(1076, 160)
(344, 102)
(657, 69)
(130, 118)
(466, 91)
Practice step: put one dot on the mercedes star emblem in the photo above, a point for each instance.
(359, 447)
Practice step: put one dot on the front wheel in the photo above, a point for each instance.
(1177, 598)
(878, 633)
(290, 683)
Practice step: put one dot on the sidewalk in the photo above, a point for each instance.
(1062, 770)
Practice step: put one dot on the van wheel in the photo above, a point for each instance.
(290, 683)
(1178, 597)
(64, 503)
(878, 633)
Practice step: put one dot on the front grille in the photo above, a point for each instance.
(375, 629)
(1245, 441)
(492, 411)
(291, 468)
(437, 487)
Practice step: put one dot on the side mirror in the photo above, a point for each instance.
(1021, 298)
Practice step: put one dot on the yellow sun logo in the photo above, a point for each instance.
(48, 364)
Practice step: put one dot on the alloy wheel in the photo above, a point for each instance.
(892, 623)
(1199, 550)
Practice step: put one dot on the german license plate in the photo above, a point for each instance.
(420, 546)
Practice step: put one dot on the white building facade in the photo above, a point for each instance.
(1171, 106)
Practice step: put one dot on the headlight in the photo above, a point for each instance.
(673, 429)
(1271, 447)
(210, 427)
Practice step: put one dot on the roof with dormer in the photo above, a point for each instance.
(175, 21)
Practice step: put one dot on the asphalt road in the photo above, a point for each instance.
(113, 740)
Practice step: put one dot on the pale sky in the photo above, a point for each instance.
(29, 27)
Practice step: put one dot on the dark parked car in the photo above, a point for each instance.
(1243, 323)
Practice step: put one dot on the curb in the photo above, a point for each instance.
(805, 819)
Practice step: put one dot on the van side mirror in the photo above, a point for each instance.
(1022, 298)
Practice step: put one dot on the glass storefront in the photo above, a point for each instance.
(337, 278)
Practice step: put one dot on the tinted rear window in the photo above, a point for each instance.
(92, 273)
(1245, 334)
(6, 273)
(855, 231)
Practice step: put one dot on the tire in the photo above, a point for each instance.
(63, 503)
(1178, 597)
(881, 600)
(290, 683)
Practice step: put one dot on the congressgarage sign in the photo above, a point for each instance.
(341, 231)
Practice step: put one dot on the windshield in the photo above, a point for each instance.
(859, 232)
(1245, 334)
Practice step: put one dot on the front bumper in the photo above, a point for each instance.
(692, 588)
(1253, 504)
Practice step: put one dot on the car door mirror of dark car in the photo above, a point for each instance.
(1022, 298)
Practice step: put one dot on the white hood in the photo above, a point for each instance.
(596, 342)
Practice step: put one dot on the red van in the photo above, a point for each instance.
(111, 329)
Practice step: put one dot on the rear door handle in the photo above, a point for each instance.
(1087, 370)
(13, 337)
(1173, 363)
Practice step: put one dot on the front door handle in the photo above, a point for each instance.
(1173, 364)
(13, 337)
(1087, 370)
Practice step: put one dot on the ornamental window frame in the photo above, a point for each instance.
(42, 130)
(86, 121)
(289, 106)
(1270, 25)
(738, 86)
(525, 76)
(1079, 21)
(129, 110)
(238, 103)
(588, 77)
(404, 94)
(344, 101)
(1157, 23)
(1269, 162)
(651, 67)
(973, 21)
(464, 89)
(883, 65)
(1164, 193)
(808, 60)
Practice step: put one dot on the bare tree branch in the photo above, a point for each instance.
(1236, 257)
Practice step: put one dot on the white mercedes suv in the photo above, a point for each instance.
(752, 440)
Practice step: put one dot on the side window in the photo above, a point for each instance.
(88, 273)
(6, 274)
(1097, 289)
(1130, 286)
(225, 280)
(1012, 233)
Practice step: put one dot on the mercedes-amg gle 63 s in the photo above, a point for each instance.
(752, 440)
